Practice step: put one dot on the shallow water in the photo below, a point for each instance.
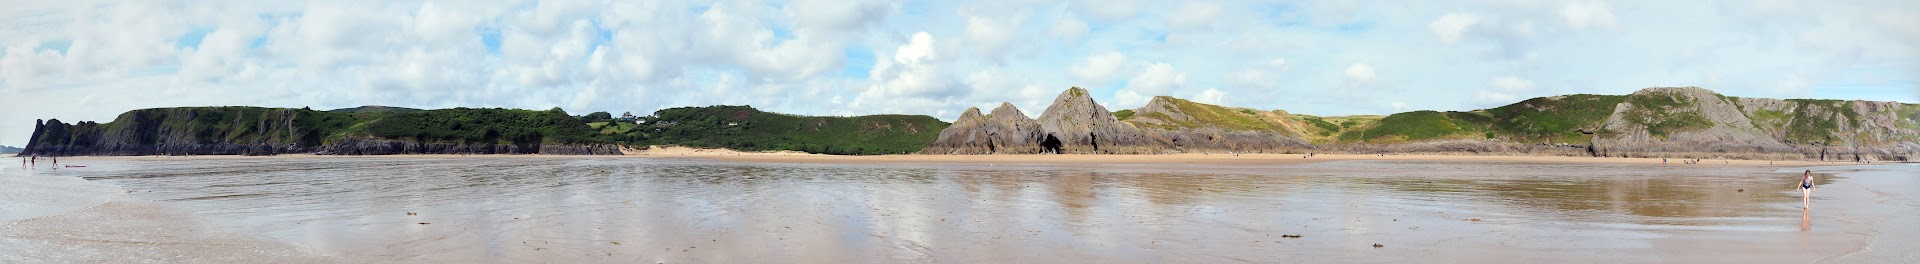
(679, 210)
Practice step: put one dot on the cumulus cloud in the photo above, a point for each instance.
(1449, 27)
(1210, 96)
(1584, 14)
(1156, 79)
(913, 71)
(1360, 73)
(1099, 69)
(1069, 30)
(1504, 89)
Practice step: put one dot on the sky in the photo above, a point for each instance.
(78, 60)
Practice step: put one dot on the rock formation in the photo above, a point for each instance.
(1074, 123)
(247, 131)
(1006, 131)
(1686, 122)
(1698, 122)
(967, 135)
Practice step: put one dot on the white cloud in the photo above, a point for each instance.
(1099, 69)
(1583, 14)
(1195, 15)
(1360, 73)
(1210, 96)
(1069, 30)
(1505, 89)
(1451, 26)
(991, 37)
(913, 80)
(1108, 10)
(1155, 80)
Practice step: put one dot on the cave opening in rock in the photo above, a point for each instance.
(1094, 141)
(1050, 145)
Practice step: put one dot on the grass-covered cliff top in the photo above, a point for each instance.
(746, 128)
(738, 127)
(1200, 115)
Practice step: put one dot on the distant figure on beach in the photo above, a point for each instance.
(1806, 187)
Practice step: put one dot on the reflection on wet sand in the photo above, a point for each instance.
(667, 210)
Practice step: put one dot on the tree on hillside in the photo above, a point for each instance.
(601, 116)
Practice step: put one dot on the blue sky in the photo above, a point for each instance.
(91, 60)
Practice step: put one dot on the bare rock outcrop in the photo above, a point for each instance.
(1696, 122)
(1074, 123)
(1006, 131)
(967, 135)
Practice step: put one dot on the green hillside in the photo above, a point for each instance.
(746, 128)
(1554, 119)
(1200, 115)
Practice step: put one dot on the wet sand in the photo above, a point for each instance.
(892, 209)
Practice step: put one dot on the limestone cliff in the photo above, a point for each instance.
(1685, 122)
(1657, 121)
(1074, 123)
(270, 131)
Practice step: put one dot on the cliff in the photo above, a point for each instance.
(1694, 120)
(1006, 131)
(1074, 123)
(1191, 127)
(270, 131)
(1685, 122)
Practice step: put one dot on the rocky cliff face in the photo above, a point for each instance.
(1074, 123)
(176, 131)
(1694, 121)
(1006, 131)
(967, 135)
(246, 131)
(1687, 122)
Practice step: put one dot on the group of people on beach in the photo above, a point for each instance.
(31, 161)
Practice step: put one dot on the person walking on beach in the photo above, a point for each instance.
(1806, 187)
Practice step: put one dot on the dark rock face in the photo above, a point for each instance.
(200, 131)
(1084, 127)
(1073, 124)
(1759, 128)
(1007, 131)
(1014, 132)
(967, 135)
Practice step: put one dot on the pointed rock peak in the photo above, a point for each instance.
(1075, 91)
(1007, 110)
(972, 113)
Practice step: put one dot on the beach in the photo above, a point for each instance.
(713, 206)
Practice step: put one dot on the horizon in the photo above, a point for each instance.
(86, 62)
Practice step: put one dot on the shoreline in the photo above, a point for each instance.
(1062, 159)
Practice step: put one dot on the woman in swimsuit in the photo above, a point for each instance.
(1806, 187)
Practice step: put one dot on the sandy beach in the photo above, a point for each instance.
(677, 205)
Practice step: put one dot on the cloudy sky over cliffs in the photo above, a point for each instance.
(87, 60)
